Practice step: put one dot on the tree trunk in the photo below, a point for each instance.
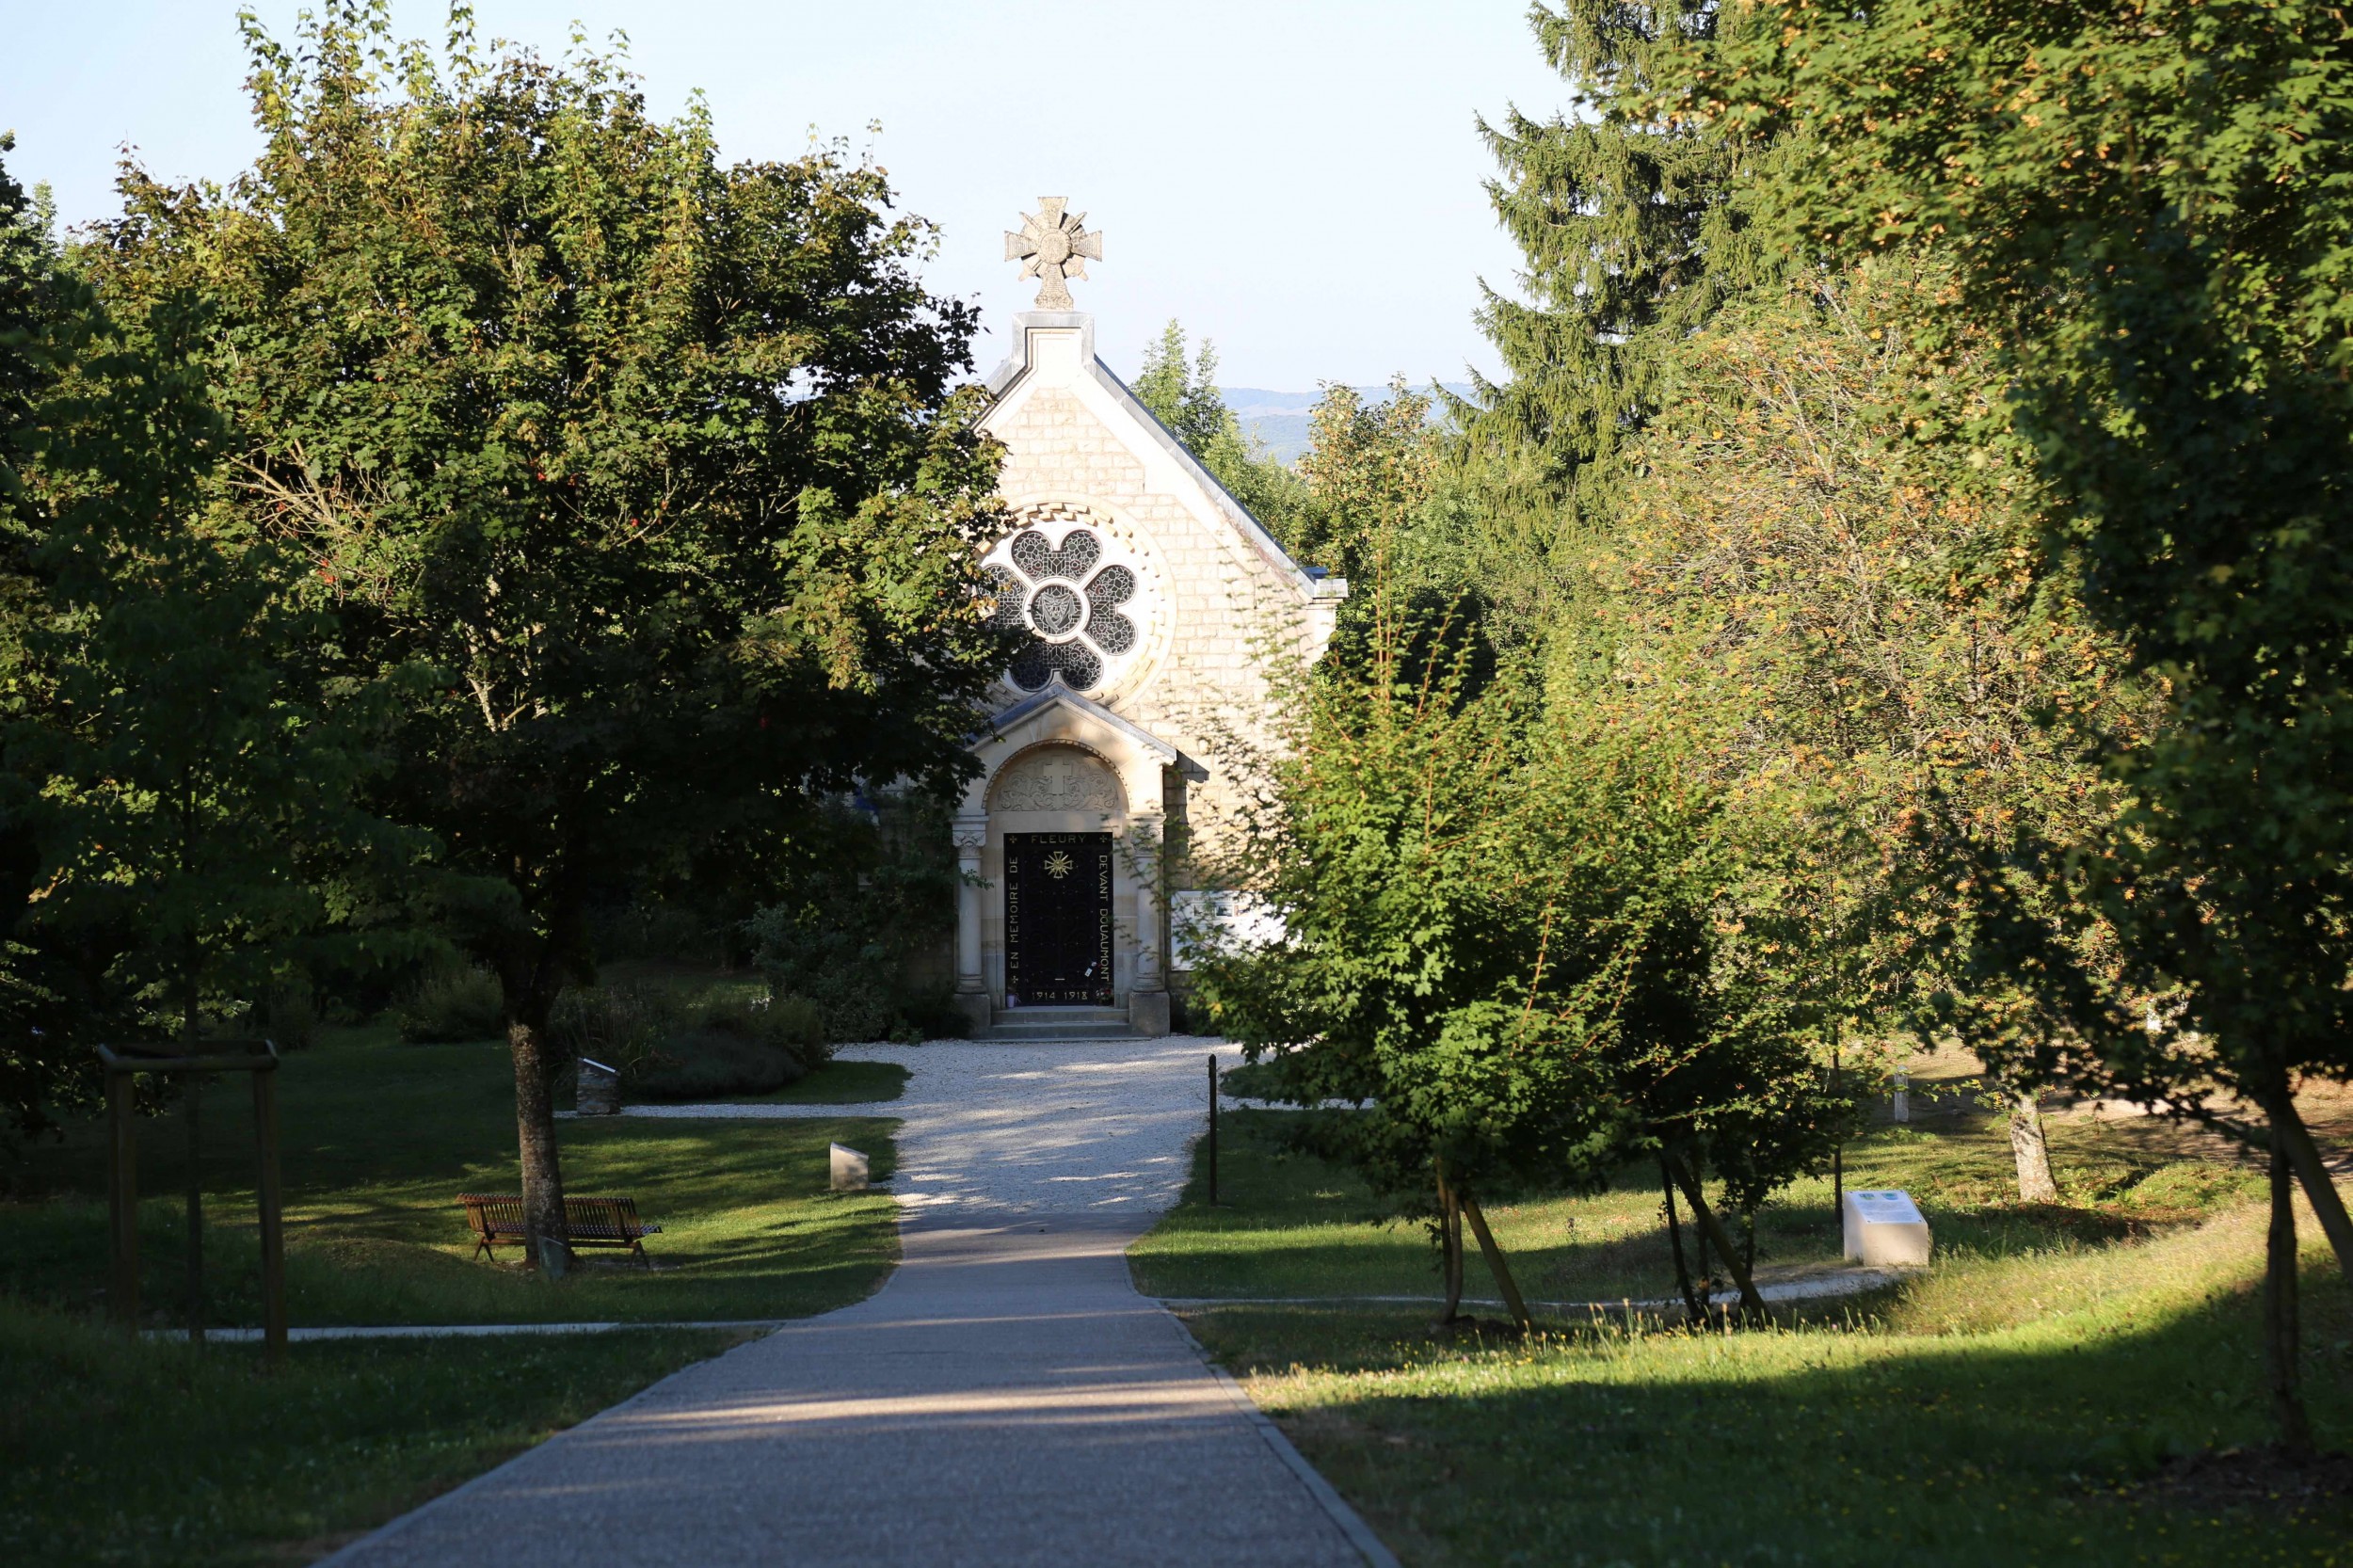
(2320, 1189)
(2033, 1154)
(1449, 1250)
(2282, 1338)
(547, 1242)
(1674, 1240)
(1687, 1177)
(1496, 1264)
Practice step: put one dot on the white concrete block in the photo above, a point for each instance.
(849, 1169)
(1884, 1228)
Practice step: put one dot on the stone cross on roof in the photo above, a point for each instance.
(1050, 248)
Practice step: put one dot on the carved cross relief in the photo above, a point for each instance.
(1053, 244)
(1056, 781)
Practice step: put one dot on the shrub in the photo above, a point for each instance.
(705, 1064)
(290, 1018)
(451, 1005)
(669, 1047)
(856, 922)
(616, 1025)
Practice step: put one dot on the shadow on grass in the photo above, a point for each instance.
(1818, 1443)
(378, 1141)
(150, 1453)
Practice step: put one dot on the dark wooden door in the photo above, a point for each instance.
(1058, 918)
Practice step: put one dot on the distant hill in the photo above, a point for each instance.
(1278, 420)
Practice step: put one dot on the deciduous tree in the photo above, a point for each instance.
(1849, 621)
(651, 463)
(1184, 395)
(2145, 204)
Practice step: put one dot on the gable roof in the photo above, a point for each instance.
(1079, 702)
(1310, 584)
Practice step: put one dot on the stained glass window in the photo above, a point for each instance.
(1070, 608)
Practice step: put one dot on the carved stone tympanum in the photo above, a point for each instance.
(1056, 778)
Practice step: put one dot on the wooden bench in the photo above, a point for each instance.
(497, 1219)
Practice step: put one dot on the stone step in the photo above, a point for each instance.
(1058, 1023)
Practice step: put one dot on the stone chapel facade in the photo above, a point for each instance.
(1149, 603)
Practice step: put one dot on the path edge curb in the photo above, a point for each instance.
(1350, 1523)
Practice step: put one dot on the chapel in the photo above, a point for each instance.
(1153, 611)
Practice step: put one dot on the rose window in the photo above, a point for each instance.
(1067, 603)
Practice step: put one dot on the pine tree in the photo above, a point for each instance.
(1631, 241)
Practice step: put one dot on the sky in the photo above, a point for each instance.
(1300, 181)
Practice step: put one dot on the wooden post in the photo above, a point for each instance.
(1449, 1246)
(1212, 1131)
(271, 1201)
(196, 1209)
(1838, 1150)
(122, 1069)
(1496, 1265)
(122, 1194)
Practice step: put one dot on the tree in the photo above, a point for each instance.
(193, 796)
(1852, 621)
(1375, 476)
(1185, 397)
(651, 465)
(36, 1055)
(2145, 206)
(862, 903)
(1500, 930)
(1414, 970)
(1631, 239)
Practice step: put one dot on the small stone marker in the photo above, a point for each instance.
(849, 1169)
(1885, 1228)
(599, 1090)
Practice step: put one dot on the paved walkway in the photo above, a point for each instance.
(1006, 1399)
(1063, 1128)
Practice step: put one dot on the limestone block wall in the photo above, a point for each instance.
(1233, 619)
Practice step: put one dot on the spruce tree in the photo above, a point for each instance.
(1630, 241)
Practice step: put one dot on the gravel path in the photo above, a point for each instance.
(1061, 1127)
(1006, 1398)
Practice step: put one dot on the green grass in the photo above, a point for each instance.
(379, 1138)
(1295, 1225)
(2013, 1405)
(120, 1451)
(137, 1453)
(840, 1083)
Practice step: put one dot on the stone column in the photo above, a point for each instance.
(1147, 998)
(972, 998)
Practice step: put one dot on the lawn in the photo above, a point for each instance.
(140, 1453)
(120, 1451)
(2028, 1400)
(378, 1140)
(1292, 1226)
(838, 1083)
